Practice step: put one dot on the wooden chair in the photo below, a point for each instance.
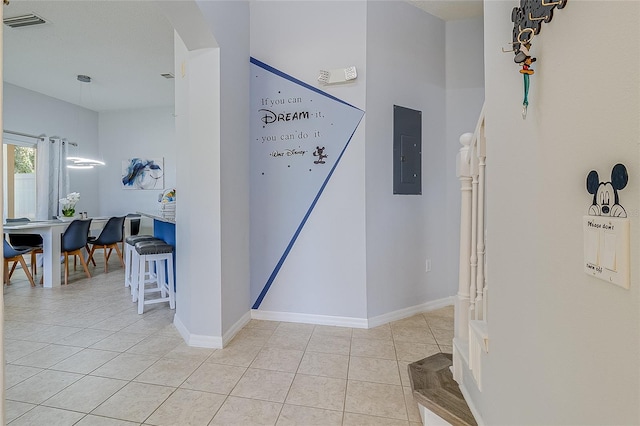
(15, 256)
(24, 241)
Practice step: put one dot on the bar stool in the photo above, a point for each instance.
(154, 255)
(131, 258)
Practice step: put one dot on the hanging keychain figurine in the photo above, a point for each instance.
(527, 23)
(524, 59)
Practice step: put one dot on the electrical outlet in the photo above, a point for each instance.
(428, 265)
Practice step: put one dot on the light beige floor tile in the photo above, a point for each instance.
(252, 336)
(382, 332)
(329, 344)
(318, 392)
(187, 408)
(158, 345)
(375, 399)
(14, 409)
(85, 394)
(85, 361)
(330, 330)
(292, 415)
(447, 349)
(278, 359)
(48, 416)
(42, 386)
(168, 372)
(14, 374)
(217, 378)
(135, 402)
(184, 351)
(327, 365)
(16, 349)
(375, 370)
(446, 312)
(443, 336)
(288, 341)
(125, 366)
(373, 348)
(117, 323)
(239, 354)
(415, 321)
(413, 335)
(265, 385)
(47, 356)
(267, 325)
(54, 334)
(412, 406)
(403, 367)
(85, 338)
(293, 327)
(353, 419)
(246, 412)
(411, 352)
(439, 322)
(118, 342)
(91, 420)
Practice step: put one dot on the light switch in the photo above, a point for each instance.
(607, 249)
(592, 247)
(609, 255)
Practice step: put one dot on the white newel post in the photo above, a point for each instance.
(463, 167)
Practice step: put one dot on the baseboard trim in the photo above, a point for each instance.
(309, 318)
(472, 407)
(410, 311)
(196, 340)
(235, 328)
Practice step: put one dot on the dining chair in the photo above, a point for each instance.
(24, 241)
(14, 255)
(74, 239)
(112, 234)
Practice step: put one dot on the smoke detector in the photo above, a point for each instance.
(23, 21)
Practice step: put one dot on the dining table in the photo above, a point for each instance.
(51, 232)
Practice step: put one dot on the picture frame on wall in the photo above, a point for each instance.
(143, 173)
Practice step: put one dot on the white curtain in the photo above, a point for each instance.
(52, 176)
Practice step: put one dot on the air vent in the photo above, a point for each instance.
(167, 75)
(23, 21)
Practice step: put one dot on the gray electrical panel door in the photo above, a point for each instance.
(407, 151)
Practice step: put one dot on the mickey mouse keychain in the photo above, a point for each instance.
(524, 59)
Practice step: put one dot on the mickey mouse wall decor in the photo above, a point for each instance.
(527, 23)
(606, 201)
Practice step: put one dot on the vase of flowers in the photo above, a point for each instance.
(69, 204)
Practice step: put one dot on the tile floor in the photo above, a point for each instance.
(80, 355)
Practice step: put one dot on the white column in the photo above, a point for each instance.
(2, 420)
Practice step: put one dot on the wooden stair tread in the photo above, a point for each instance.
(433, 387)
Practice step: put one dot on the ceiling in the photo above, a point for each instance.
(123, 46)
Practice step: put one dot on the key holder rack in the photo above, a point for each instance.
(527, 23)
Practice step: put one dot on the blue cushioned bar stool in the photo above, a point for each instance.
(154, 255)
(131, 259)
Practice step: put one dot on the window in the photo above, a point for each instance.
(19, 179)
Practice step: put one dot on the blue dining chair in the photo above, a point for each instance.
(74, 239)
(24, 241)
(112, 234)
(13, 255)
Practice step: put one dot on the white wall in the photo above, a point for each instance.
(406, 67)
(30, 112)
(564, 347)
(124, 134)
(229, 23)
(324, 273)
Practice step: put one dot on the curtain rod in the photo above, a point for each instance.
(40, 138)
